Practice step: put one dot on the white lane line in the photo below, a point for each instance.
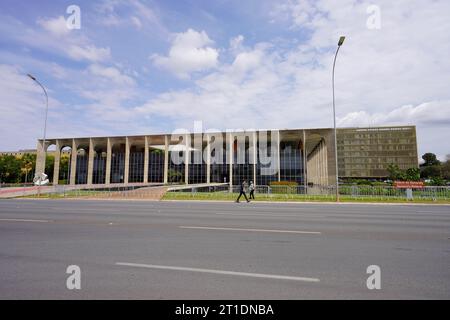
(75, 210)
(299, 215)
(251, 230)
(24, 220)
(232, 273)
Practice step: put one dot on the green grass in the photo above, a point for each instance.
(226, 196)
(68, 194)
(292, 197)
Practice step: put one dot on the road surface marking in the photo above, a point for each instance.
(299, 215)
(233, 273)
(24, 220)
(251, 230)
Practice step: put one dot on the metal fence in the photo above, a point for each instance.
(346, 192)
(350, 192)
(125, 192)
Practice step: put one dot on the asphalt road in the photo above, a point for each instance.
(206, 250)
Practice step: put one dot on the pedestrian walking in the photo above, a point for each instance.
(251, 188)
(242, 191)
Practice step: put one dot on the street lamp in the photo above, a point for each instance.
(341, 41)
(45, 122)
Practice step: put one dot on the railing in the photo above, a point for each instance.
(323, 192)
(16, 185)
(346, 192)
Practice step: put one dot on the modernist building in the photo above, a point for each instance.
(305, 156)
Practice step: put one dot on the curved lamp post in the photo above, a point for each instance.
(45, 122)
(341, 41)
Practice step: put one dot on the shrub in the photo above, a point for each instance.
(283, 183)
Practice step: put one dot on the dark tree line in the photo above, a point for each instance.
(21, 169)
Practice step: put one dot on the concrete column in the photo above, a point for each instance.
(187, 156)
(316, 167)
(90, 172)
(322, 154)
(231, 145)
(255, 157)
(319, 168)
(305, 181)
(127, 161)
(57, 162)
(324, 163)
(146, 155)
(73, 162)
(108, 161)
(321, 162)
(166, 158)
(40, 157)
(208, 158)
(319, 175)
(278, 155)
(325, 152)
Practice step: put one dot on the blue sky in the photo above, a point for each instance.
(137, 67)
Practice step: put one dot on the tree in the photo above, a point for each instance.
(430, 171)
(174, 176)
(10, 171)
(445, 168)
(412, 174)
(430, 160)
(64, 163)
(27, 164)
(437, 181)
(395, 173)
(49, 165)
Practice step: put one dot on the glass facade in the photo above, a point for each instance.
(99, 174)
(197, 167)
(266, 165)
(291, 161)
(220, 167)
(156, 165)
(175, 173)
(136, 167)
(117, 167)
(242, 162)
(81, 173)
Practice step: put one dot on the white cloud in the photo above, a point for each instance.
(88, 52)
(53, 37)
(236, 43)
(248, 60)
(22, 109)
(190, 52)
(56, 26)
(130, 13)
(111, 73)
(435, 113)
(137, 22)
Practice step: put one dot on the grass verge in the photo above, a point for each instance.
(226, 196)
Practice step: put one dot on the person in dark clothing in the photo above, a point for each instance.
(242, 192)
(251, 188)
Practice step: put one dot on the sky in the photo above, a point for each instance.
(142, 67)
